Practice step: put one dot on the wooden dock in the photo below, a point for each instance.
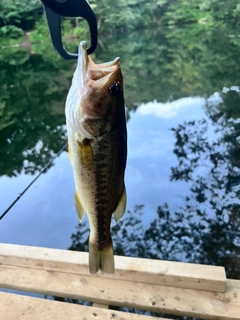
(172, 288)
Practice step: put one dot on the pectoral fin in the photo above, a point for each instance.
(119, 212)
(79, 208)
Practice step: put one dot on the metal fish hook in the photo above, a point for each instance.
(55, 9)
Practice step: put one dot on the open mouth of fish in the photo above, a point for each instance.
(94, 94)
(92, 74)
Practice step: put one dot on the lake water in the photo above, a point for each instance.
(183, 168)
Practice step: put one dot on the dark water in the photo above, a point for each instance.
(183, 172)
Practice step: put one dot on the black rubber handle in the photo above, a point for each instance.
(54, 9)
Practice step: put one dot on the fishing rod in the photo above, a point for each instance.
(35, 179)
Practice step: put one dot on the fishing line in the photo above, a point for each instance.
(40, 173)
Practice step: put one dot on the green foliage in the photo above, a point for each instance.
(67, 27)
(220, 9)
(40, 32)
(118, 16)
(14, 11)
(81, 30)
(184, 11)
(167, 65)
(124, 15)
(15, 56)
(73, 30)
(32, 96)
(11, 31)
(176, 62)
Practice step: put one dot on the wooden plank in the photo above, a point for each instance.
(99, 305)
(16, 307)
(143, 296)
(177, 274)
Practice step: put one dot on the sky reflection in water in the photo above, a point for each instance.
(183, 151)
(45, 215)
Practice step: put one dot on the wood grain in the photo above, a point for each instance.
(16, 307)
(99, 305)
(177, 274)
(143, 296)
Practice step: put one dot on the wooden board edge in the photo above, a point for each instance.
(142, 296)
(178, 274)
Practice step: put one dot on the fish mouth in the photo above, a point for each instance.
(95, 75)
(94, 95)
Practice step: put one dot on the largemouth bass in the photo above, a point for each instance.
(97, 142)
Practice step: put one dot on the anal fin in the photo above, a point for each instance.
(119, 212)
(79, 208)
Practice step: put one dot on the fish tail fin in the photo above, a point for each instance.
(101, 259)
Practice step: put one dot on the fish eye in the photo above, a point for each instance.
(115, 88)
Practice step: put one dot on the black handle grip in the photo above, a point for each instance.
(54, 9)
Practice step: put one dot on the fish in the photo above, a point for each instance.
(97, 146)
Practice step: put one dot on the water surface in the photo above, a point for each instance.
(182, 176)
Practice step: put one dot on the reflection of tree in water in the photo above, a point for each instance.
(32, 96)
(206, 229)
(164, 64)
(214, 200)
